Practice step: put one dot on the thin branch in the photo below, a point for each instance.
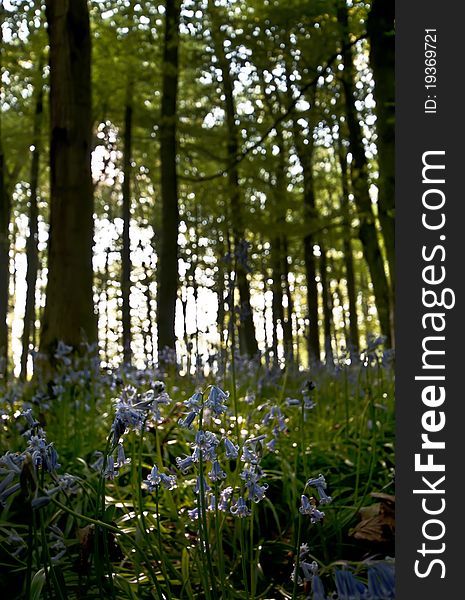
(240, 157)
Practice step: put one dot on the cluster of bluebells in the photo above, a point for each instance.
(381, 580)
(206, 448)
(308, 506)
(275, 419)
(133, 411)
(307, 399)
(20, 470)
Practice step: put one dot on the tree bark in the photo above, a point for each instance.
(4, 264)
(360, 186)
(168, 257)
(287, 325)
(32, 243)
(380, 27)
(247, 334)
(327, 306)
(4, 241)
(353, 340)
(305, 155)
(126, 240)
(69, 310)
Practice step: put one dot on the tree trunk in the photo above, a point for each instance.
(4, 241)
(126, 215)
(246, 324)
(32, 248)
(287, 325)
(305, 155)
(353, 340)
(380, 26)
(360, 186)
(4, 264)
(69, 310)
(327, 306)
(168, 257)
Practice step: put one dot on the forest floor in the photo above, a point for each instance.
(142, 484)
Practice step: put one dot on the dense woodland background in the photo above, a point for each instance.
(171, 170)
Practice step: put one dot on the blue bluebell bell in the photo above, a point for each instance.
(188, 420)
(252, 476)
(216, 473)
(168, 481)
(320, 484)
(206, 487)
(184, 464)
(349, 588)
(231, 450)
(121, 459)
(216, 400)
(381, 581)
(110, 471)
(225, 497)
(307, 508)
(240, 508)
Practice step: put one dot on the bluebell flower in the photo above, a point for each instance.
(307, 508)
(206, 487)
(216, 400)
(6, 490)
(57, 544)
(184, 464)
(193, 514)
(292, 402)
(249, 456)
(61, 353)
(168, 481)
(205, 444)
(318, 590)
(320, 484)
(231, 450)
(11, 462)
(188, 420)
(153, 479)
(129, 413)
(251, 477)
(30, 419)
(212, 505)
(194, 403)
(240, 509)
(225, 497)
(40, 501)
(216, 473)
(349, 588)
(121, 459)
(381, 581)
(110, 471)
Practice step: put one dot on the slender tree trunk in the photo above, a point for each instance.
(380, 26)
(32, 248)
(106, 288)
(360, 185)
(305, 155)
(168, 257)
(4, 264)
(246, 324)
(353, 340)
(4, 240)
(69, 310)
(277, 301)
(148, 332)
(327, 306)
(126, 248)
(287, 325)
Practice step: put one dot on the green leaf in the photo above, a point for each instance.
(37, 584)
